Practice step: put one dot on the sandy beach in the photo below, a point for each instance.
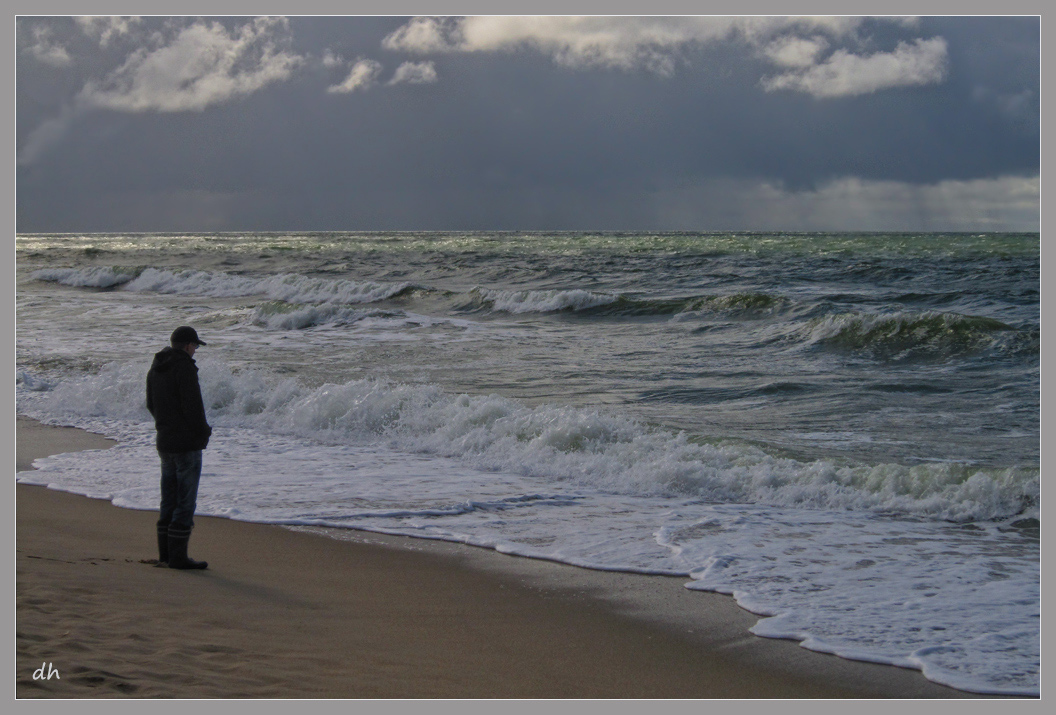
(284, 613)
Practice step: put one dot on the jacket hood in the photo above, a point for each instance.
(165, 359)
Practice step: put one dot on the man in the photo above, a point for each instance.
(175, 400)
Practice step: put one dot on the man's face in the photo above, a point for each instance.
(190, 348)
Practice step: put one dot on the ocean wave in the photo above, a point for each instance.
(916, 335)
(538, 301)
(588, 447)
(288, 287)
(90, 277)
(739, 305)
(32, 382)
(735, 305)
(280, 315)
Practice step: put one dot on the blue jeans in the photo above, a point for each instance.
(180, 472)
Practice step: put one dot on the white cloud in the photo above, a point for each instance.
(331, 60)
(46, 50)
(191, 68)
(423, 34)
(619, 42)
(795, 51)
(414, 73)
(612, 42)
(1009, 203)
(364, 74)
(844, 74)
(202, 65)
(105, 29)
(658, 44)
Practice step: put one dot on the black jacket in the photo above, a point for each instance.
(175, 400)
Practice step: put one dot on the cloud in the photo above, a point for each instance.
(331, 60)
(615, 42)
(425, 34)
(607, 42)
(364, 74)
(844, 74)
(202, 65)
(198, 65)
(1009, 203)
(45, 50)
(658, 44)
(795, 51)
(414, 73)
(105, 29)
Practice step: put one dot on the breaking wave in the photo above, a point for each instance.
(917, 335)
(279, 315)
(588, 447)
(299, 289)
(289, 287)
(742, 305)
(537, 301)
(93, 277)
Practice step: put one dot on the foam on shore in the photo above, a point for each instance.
(83, 591)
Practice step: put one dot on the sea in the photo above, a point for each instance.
(840, 430)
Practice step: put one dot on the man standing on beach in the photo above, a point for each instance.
(174, 398)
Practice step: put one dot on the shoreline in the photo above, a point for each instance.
(314, 612)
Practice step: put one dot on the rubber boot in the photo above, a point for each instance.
(178, 553)
(163, 545)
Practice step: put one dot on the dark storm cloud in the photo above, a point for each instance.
(386, 123)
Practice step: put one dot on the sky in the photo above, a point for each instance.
(635, 123)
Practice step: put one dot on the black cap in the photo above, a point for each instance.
(185, 334)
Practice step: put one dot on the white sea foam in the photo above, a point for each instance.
(32, 382)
